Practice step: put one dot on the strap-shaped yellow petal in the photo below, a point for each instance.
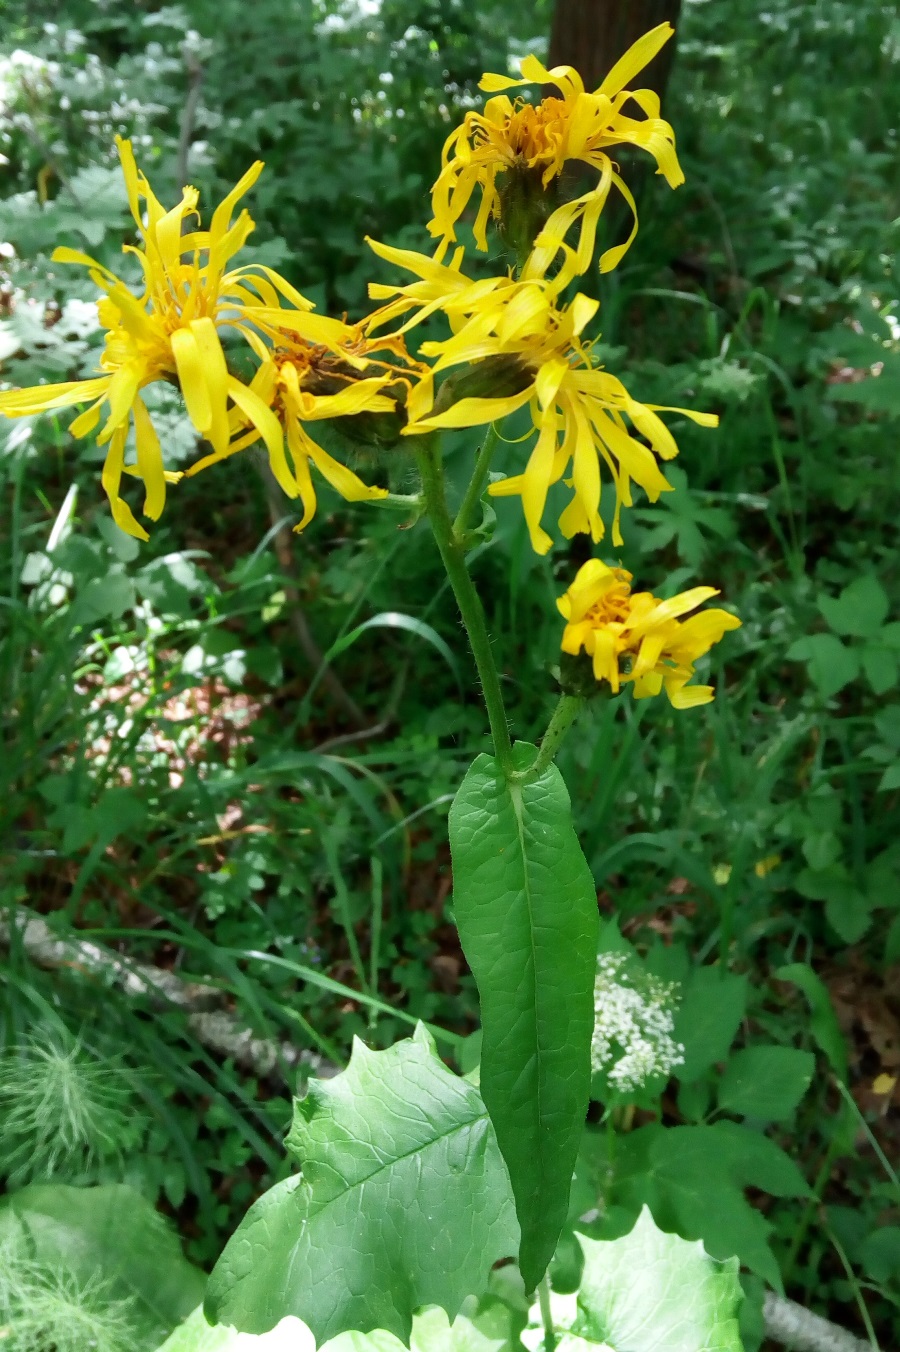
(111, 478)
(215, 375)
(123, 387)
(262, 417)
(149, 460)
(639, 55)
(222, 215)
(342, 478)
(298, 443)
(192, 379)
(472, 413)
(41, 398)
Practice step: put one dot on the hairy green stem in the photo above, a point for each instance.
(467, 598)
(479, 479)
(563, 717)
(546, 1314)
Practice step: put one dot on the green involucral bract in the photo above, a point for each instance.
(526, 908)
(404, 1201)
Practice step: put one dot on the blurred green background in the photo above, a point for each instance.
(213, 765)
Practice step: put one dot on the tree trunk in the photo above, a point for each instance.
(591, 35)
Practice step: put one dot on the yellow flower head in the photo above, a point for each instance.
(579, 410)
(614, 625)
(169, 332)
(536, 140)
(317, 369)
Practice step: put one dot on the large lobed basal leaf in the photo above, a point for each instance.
(404, 1201)
(526, 907)
(653, 1292)
(646, 1292)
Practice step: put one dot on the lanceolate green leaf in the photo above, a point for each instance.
(526, 909)
(404, 1201)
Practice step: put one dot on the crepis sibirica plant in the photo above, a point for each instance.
(414, 1181)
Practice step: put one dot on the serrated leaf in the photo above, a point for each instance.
(526, 908)
(404, 1201)
(650, 1291)
(110, 1233)
(766, 1082)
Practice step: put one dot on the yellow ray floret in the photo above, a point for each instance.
(318, 369)
(580, 412)
(171, 331)
(538, 139)
(634, 637)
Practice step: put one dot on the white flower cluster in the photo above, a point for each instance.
(633, 1024)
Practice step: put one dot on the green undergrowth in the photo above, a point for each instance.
(183, 780)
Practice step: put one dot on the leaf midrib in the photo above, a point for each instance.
(516, 794)
(398, 1159)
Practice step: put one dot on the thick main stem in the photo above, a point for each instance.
(467, 598)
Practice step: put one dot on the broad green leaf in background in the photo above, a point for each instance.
(880, 1254)
(526, 908)
(830, 664)
(110, 1233)
(860, 610)
(823, 1022)
(712, 1007)
(766, 1082)
(654, 1292)
(847, 908)
(404, 1201)
(693, 1180)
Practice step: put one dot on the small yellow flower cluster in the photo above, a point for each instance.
(586, 421)
(173, 331)
(612, 624)
(515, 340)
(584, 417)
(521, 140)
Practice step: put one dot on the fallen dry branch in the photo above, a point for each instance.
(215, 1027)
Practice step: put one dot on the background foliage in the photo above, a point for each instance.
(183, 778)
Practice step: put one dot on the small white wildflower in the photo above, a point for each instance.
(633, 1024)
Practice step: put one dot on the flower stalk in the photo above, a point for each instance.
(452, 551)
(562, 719)
(477, 483)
